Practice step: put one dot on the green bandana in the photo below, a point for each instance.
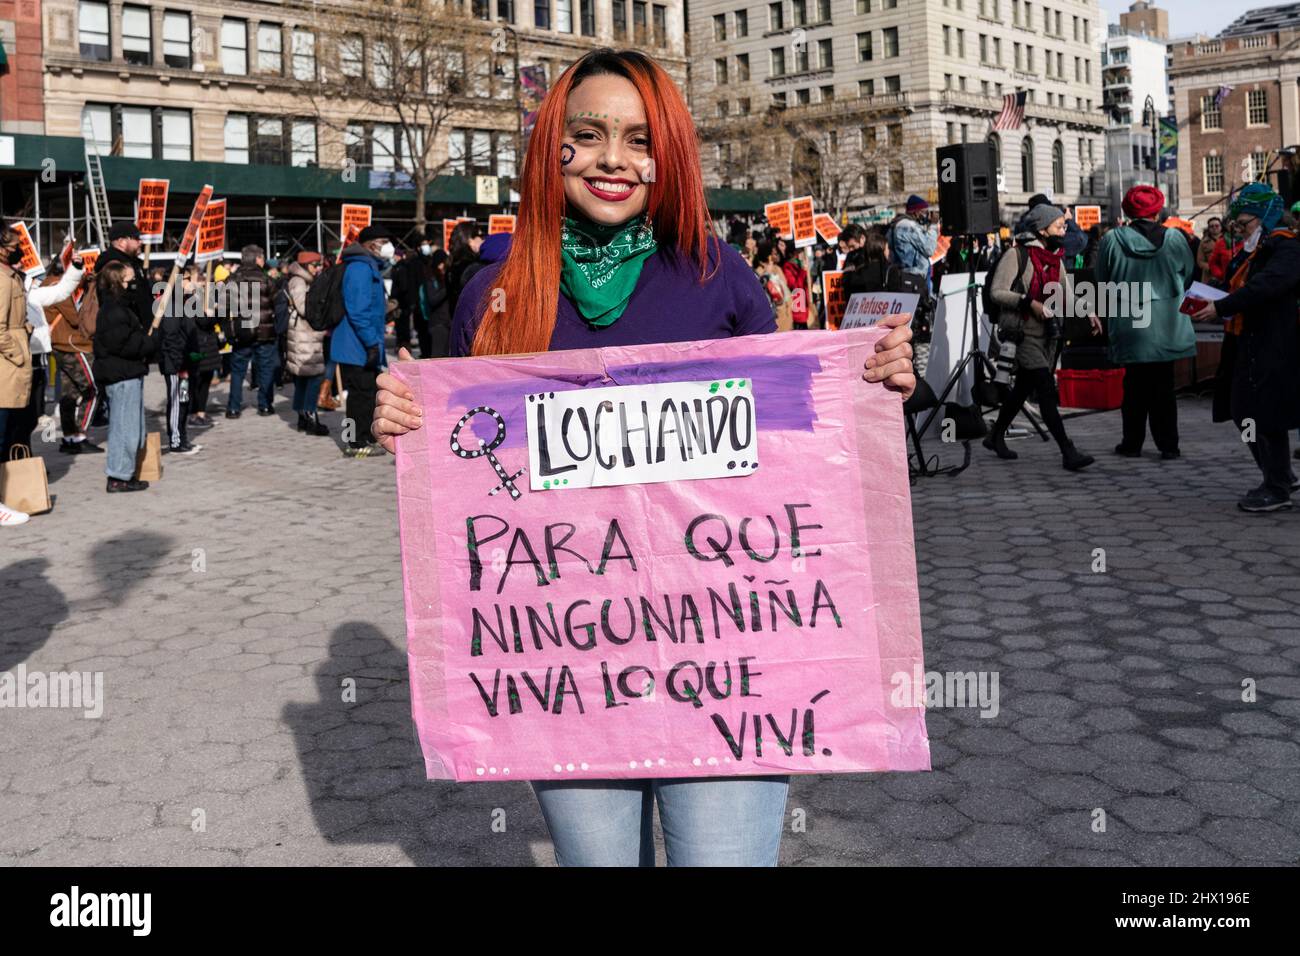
(600, 266)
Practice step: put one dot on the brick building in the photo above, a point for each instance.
(22, 103)
(1238, 103)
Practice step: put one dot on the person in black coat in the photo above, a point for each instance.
(178, 339)
(1258, 384)
(122, 352)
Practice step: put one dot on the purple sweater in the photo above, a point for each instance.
(668, 305)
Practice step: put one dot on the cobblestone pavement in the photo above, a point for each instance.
(1119, 691)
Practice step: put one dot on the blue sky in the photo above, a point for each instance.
(1193, 16)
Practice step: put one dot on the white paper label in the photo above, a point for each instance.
(865, 309)
(641, 434)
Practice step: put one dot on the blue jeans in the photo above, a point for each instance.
(265, 356)
(125, 427)
(306, 392)
(721, 821)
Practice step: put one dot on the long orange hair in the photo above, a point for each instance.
(528, 285)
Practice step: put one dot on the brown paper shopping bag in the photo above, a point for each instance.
(23, 483)
(148, 463)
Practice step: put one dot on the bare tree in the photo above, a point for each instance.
(396, 79)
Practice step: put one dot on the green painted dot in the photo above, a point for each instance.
(729, 384)
(741, 383)
(713, 388)
(546, 484)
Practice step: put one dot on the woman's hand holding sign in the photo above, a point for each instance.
(395, 410)
(892, 363)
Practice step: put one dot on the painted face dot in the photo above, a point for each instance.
(492, 771)
(713, 761)
(557, 768)
(569, 767)
(649, 763)
(697, 761)
(631, 764)
(584, 766)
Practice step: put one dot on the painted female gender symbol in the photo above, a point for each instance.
(484, 448)
(567, 152)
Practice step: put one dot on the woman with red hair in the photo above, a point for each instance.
(613, 247)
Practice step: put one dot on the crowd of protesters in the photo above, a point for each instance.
(252, 324)
(101, 332)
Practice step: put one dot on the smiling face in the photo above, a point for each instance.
(605, 156)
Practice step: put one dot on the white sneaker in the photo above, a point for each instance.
(9, 518)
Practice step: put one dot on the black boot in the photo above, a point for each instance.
(304, 422)
(1073, 459)
(314, 426)
(995, 442)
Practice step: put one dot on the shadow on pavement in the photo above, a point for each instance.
(364, 774)
(31, 608)
(126, 561)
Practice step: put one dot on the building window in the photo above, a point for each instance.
(618, 9)
(1211, 115)
(234, 47)
(742, 67)
(743, 105)
(828, 96)
(304, 56)
(1058, 167)
(542, 14)
(352, 55)
(801, 58)
(952, 133)
(1257, 108)
(864, 47)
(777, 61)
(270, 57)
(775, 16)
(823, 11)
(92, 30)
(140, 132)
(1027, 165)
(660, 23)
(640, 25)
(176, 40)
(825, 54)
(868, 136)
(1213, 174)
(894, 135)
(896, 179)
(742, 23)
(871, 183)
(381, 64)
(803, 97)
(481, 152)
(779, 101)
(137, 41)
(720, 71)
(863, 6)
(894, 84)
(866, 87)
(302, 146)
(719, 27)
(563, 16)
(889, 36)
(1258, 165)
(237, 138)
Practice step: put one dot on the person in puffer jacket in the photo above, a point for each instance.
(305, 354)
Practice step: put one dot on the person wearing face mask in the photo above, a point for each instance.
(124, 247)
(1154, 266)
(614, 247)
(407, 276)
(357, 343)
(1024, 288)
(466, 241)
(1258, 383)
(1209, 239)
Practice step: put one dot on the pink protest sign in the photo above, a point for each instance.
(673, 561)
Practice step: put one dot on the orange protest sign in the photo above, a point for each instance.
(151, 209)
(834, 298)
(941, 248)
(826, 227)
(31, 261)
(212, 232)
(192, 229)
(448, 225)
(355, 218)
(780, 217)
(498, 224)
(805, 233)
(1087, 216)
(88, 259)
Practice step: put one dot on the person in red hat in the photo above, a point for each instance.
(1148, 265)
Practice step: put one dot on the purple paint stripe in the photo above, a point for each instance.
(782, 389)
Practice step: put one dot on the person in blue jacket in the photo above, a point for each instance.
(357, 343)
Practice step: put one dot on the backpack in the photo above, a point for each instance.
(324, 303)
(280, 306)
(88, 309)
(986, 297)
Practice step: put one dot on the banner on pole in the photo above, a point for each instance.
(805, 233)
(151, 209)
(212, 233)
(355, 217)
(602, 582)
(780, 217)
(826, 227)
(31, 261)
(192, 228)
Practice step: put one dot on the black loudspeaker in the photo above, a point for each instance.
(968, 188)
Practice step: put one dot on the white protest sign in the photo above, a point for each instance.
(641, 434)
(865, 309)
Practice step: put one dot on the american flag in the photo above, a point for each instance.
(1013, 111)
(1221, 95)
